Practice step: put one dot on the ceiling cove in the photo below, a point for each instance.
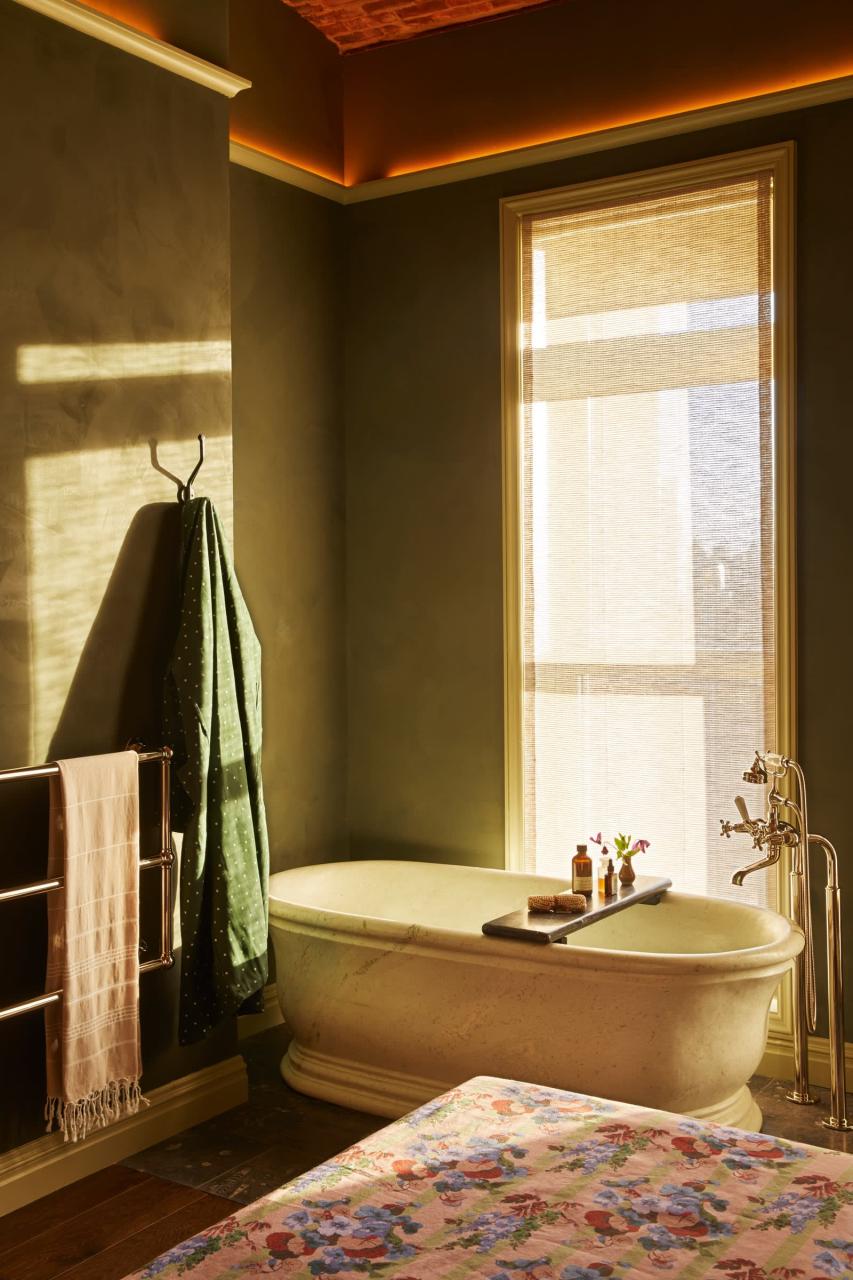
(359, 24)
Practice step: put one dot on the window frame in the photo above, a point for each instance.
(779, 161)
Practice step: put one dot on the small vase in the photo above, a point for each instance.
(627, 874)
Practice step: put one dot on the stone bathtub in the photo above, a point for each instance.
(394, 995)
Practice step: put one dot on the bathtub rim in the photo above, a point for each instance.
(769, 958)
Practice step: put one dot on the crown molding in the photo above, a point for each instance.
(794, 99)
(250, 158)
(110, 31)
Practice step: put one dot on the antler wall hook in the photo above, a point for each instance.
(185, 492)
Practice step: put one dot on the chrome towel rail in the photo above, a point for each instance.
(164, 860)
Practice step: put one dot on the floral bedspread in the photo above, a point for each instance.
(509, 1181)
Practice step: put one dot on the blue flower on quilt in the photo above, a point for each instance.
(382, 1219)
(597, 1271)
(332, 1263)
(480, 1162)
(594, 1152)
(415, 1119)
(489, 1229)
(615, 1189)
(333, 1226)
(736, 1150)
(320, 1174)
(546, 1106)
(835, 1258)
(331, 1239)
(676, 1217)
(811, 1198)
(524, 1269)
(681, 1197)
(299, 1218)
(473, 1148)
(178, 1254)
(558, 1115)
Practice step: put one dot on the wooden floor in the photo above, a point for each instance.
(103, 1227)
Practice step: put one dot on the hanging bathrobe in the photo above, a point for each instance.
(213, 723)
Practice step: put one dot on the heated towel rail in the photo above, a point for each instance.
(164, 860)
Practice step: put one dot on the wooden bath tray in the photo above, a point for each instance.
(543, 926)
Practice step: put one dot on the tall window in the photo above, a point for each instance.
(648, 554)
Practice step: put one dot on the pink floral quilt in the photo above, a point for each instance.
(509, 1181)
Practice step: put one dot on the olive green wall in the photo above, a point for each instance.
(289, 500)
(113, 230)
(424, 540)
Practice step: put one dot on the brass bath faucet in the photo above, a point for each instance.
(773, 834)
(770, 832)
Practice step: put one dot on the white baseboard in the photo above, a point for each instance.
(778, 1060)
(272, 1016)
(48, 1163)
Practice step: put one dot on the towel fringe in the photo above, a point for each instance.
(116, 1100)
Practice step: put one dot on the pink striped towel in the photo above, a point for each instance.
(93, 1061)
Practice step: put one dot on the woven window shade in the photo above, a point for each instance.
(648, 525)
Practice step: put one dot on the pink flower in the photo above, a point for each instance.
(639, 846)
(596, 839)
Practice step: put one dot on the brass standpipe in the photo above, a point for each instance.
(774, 834)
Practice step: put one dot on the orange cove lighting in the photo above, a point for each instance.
(296, 162)
(663, 112)
(128, 15)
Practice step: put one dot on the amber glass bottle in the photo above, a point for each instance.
(611, 881)
(582, 871)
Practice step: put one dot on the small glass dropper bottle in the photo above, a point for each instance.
(602, 874)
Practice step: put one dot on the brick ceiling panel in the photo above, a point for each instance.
(358, 24)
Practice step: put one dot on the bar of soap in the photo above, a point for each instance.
(563, 904)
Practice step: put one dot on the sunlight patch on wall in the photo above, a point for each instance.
(80, 507)
(100, 361)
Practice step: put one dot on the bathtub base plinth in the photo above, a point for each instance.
(740, 1111)
(391, 1094)
(377, 1091)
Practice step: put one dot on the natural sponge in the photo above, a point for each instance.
(563, 904)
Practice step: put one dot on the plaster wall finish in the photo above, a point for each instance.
(424, 539)
(289, 500)
(114, 331)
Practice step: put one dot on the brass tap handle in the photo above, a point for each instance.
(740, 805)
(747, 828)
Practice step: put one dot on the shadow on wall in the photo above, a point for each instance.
(115, 693)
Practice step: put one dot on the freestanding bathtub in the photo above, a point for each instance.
(394, 995)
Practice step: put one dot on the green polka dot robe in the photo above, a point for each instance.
(212, 717)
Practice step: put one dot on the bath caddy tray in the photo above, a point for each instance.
(542, 926)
